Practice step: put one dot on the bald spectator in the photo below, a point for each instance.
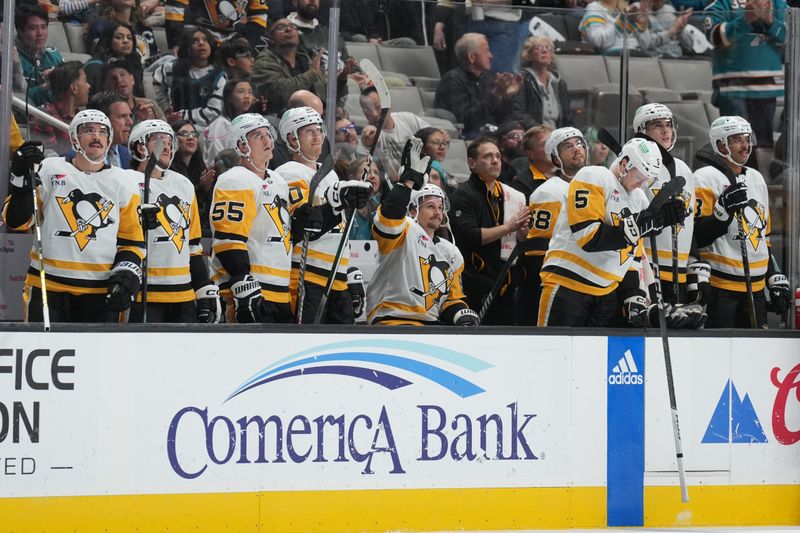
(119, 77)
(284, 68)
(539, 166)
(471, 93)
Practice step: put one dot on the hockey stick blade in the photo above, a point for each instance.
(324, 169)
(376, 77)
(605, 137)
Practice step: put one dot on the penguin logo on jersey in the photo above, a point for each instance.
(279, 215)
(627, 252)
(687, 205)
(174, 220)
(755, 223)
(437, 276)
(85, 214)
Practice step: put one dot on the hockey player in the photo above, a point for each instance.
(566, 148)
(178, 283)
(729, 194)
(418, 279)
(92, 239)
(302, 129)
(222, 18)
(251, 221)
(657, 122)
(596, 244)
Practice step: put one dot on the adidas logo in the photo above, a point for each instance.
(625, 372)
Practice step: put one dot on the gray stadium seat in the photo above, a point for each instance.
(582, 73)
(605, 108)
(364, 51)
(353, 108)
(455, 163)
(161, 39)
(692, 122)
(73, 56)
(644, 74)
(442, 124)
(712, 112)
(427, 98)
(416, 62)
(396, 79)
(57, 37)
(406, 99)
(75, 38)
(690, 77)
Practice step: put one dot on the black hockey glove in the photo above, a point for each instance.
(123, 286)
(779, 293)
(636, 225)
(350, 194)
(413, 166)
(355, 286)
(672, 212)
(466, 317)
(307, 219)
(732, 199)
(635, 310)
(689, 316)
(247, 298)
(209, 305)
(698, 288)
(25, 159)
(148, 216)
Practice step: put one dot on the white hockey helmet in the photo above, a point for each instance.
(428, 189)
(89, 116)
(644, 156)
(143, 130)
(557, 137)
(296, 118)
(649, 112)
(245, 123)
(725, 127)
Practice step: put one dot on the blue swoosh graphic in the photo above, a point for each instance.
(451, 356)
(448, 380)
(383, 379)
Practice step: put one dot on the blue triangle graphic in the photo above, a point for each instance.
(746, 427)
(718, 429)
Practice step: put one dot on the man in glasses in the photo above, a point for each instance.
(91, 236)
(236, 57)
(346, 132)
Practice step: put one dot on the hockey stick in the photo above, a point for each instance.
(488, 300)
(676, 290)
(324, 169)
(38, 229)
(717, 163)
(375, 76)
(670, 188)
(152, 161)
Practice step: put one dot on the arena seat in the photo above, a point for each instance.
(75, 37)
(74, 56)
(353, 108)
(57, 37)
(442, 124)
(644, 74)
(583, 74)
(406, 99)
(692, 122)
(161, 39)
(416, 62)
(712, 112)
(455, 163)
(605, 108)
(427, 98)
(363, 51)
(690, 77)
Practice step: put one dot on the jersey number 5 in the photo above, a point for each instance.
(581, 198)
(233, 211)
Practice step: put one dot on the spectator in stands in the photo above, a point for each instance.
(473, 95)
(599, 154)
(540, 166)
(117, 42)
(487, 217)
(34, 58)
(447, 28)
(543, 98)
(345, 132)
(70, 93)
(118, 77)
(313, 35)
(434, 143)
(189, 161)
(509, 139)
(746, 62)
(116, 108)
(501, 25)
(363, 218)
(192, 84)
(662, 17)
(77, 11)
(221, 17)
(237, 99)
(110, 12)
(283, 68)
(398, 127)
(236, 57)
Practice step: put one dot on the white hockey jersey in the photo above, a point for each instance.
(321, 252)
(253, 214)
(417, 277)
(546, 203)
(685, 231)
(171, 245)
(87, 218)
(725, 253)
(595, 198)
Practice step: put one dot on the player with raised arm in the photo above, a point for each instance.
(178, 282)
(418, 279)
(733, 230)
(566, 147)
(92, 239)
(596, 245)
(303, 131)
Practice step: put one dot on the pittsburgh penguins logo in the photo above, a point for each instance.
(437, 276)
(686, 198)
(754, 218)
(85, 214)
(174, 220)
(627, 252)
(280, 218)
